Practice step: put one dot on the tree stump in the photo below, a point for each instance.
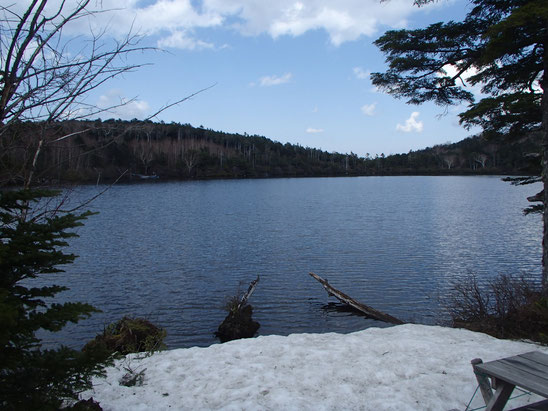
(238, 324)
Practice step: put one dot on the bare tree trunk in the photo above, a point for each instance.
(544, 85)
(33, 165)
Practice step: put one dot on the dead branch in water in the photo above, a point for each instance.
(365, 309)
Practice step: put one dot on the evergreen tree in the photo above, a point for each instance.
(501, 46)
(30, 245)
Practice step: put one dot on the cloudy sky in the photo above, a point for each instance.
(293, 71)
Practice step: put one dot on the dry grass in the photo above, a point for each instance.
(507, 307)
(129, 335)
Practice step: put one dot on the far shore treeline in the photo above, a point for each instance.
(98, 150)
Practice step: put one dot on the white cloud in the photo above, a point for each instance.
(180, 40)
(451, 71)
(117, 105)
(298, 19)
(369, 109)
(311, 130)
(274, 80)
(360, 73)
(343, 20)
(411, 124)
(161, 16)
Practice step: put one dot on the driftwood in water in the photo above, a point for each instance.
(248, 293)
(238, 323)
(368, 311)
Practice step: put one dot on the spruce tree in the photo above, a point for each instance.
(500, 46)
(31, 243)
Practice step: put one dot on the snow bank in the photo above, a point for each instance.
(406, 367)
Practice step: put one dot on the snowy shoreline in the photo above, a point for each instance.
(405, 367)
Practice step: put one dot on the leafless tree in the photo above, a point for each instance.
(46, 76)
(481, 159)
(190, 158)
(450, 160)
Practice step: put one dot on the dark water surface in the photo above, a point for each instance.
(173, 252)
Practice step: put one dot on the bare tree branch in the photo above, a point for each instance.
(46, 76)
(179, 101)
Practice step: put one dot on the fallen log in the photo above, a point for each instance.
(365, 309)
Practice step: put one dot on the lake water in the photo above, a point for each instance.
(173, 252)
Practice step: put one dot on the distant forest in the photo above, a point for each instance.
(103, 150)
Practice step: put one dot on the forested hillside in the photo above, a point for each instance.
(104, 150)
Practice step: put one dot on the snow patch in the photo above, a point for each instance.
(406, 367)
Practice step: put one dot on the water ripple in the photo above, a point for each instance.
(173, 252)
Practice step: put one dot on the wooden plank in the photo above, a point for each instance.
(483, 381)
(533, 364)
(501, 396)
(369, 311)
(537, 406)
(536, 356)
(520, 376)
(537, 370)
(534, 361)
(515, 376)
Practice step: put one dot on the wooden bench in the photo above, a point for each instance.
(528, 371)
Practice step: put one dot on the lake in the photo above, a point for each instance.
(173, 252)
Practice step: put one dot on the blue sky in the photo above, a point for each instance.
(292, 71)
